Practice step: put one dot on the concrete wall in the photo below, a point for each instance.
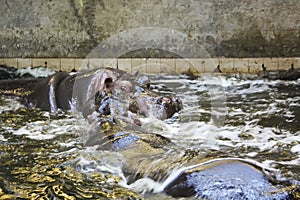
(230, 28)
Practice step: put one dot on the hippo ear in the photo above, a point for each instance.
(103, 80)
(108, 83)
(136, 73)
(145, 81)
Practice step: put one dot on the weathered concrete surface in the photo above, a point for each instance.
(230, 28)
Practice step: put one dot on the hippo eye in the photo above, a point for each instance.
(123, 88)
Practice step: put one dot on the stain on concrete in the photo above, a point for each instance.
(229, 28)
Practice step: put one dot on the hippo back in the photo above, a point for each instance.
(225, 179)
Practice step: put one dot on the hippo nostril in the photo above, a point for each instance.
(166, 100)
(163, 100)
(158, 100)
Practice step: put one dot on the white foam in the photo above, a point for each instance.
(90, 161)
(33, 134)
(291, 162)
(45, 130)
(144, 185)
(9, 104)
(252, 154)
(296, 148)
(2, 138)
(36, 72)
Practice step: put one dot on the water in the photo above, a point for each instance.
(43, 156)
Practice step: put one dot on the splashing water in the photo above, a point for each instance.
(44, 156)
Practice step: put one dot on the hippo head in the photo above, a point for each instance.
(142, 100)
(126, 94)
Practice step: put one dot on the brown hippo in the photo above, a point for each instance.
(90, 91)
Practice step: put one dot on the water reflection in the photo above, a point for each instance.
(43, 156)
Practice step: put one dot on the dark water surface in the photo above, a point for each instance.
(43, 156)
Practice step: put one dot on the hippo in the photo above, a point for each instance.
(87, 91)
(154, 159)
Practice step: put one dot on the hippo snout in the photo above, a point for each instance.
(161, 107)
(178, 103)
(171, 105)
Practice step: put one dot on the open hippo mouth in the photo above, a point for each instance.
(142, 100)
(105, 91)
(160, 107)
(130, 95)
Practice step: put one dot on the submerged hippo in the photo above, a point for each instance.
(88, 91)
(151, 162)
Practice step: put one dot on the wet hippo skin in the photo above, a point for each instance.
(86, 91)
(226, 179)
(155, 157)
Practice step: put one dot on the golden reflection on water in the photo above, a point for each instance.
(47, 181)
(33, 169)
